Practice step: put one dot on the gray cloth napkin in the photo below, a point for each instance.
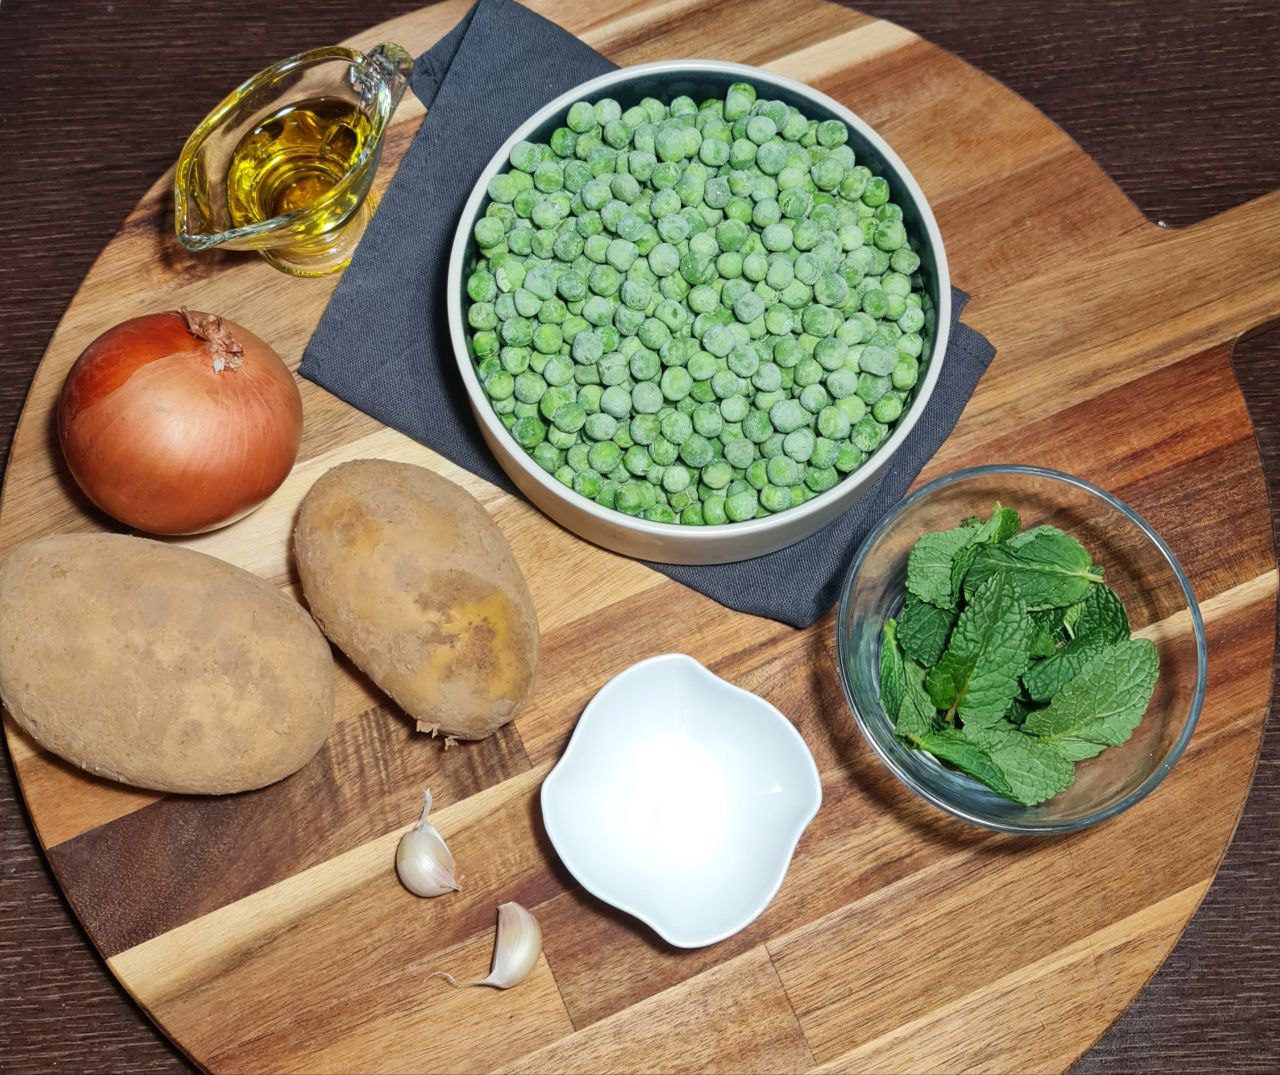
(383, 343)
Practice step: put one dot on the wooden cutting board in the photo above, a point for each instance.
(268, 932)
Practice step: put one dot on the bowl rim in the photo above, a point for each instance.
(786, 848)
(1193, 608)
(707, 534)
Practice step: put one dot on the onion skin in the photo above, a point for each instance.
(179, 422)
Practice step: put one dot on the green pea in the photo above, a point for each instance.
(646, 398)
(604, 457)
(887, 409)
(528, 432)
(868, 433)
(787, 415)
(740, 506)
(676, 383)
(906, 372)
(799, 443)
(677, 427)
(849, 458)
(876, 192)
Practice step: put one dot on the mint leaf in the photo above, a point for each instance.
(1042, 643)
(1002, 525)
(1105, 700)
(961, 752)
(892, 677)
(977, 676)
(923, 630)
(1045, 678)
(929, 565)
(1034, 769)
(916, 717)
(1049, 568)
(1100, 613)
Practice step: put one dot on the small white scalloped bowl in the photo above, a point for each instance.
(681, 799)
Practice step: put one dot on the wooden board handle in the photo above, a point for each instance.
(1231, 261)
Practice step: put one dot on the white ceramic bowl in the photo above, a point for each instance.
(680, 799)
(671, 542)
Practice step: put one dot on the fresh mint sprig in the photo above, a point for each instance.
(1012, 660)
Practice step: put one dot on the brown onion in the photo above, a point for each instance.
(179, 422)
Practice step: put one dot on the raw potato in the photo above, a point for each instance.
(412, 579)
(158, 666)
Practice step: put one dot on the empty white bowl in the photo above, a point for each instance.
(680, 799)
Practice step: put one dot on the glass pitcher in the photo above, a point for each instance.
(284, 164)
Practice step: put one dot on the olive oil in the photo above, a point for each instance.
(293, 158)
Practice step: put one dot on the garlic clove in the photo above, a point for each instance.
(515, 953)
(423, 862)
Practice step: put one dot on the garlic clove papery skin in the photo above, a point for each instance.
(518, 947)
(423, 862)
(515, 953)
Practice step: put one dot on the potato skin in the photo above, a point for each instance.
(410, 577)
(158, 666)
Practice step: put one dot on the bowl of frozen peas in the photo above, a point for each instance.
(696, 307)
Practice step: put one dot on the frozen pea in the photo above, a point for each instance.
(798, 444)
(739, 453)
(787, 415)
(905, 373)
(553, 399)
(824, 453)
(853, 406)
(677, 427)
(515, 360)
(841, 383)
(877, 360)
(646, 398)
(529, 387)
(676, 383)
(604, 457)
(664, 453)
(547, 339)
(600, 426)
(637, 461)
(814, 397)
(911, 320)
(871, 387)
(529, 432)
(910, 344)
(807, 371)
(849, 458)
(777, 237)
(887, 409)
(696, 451)
(559, 368)
(701, 366)
(820, 479)
(570, 418)
(831, 353)
(707, 420)
(714, 511)
(499, 385)
(741, 506)
(775, 498)
(645, 428)
(616, 401)
(867, 434)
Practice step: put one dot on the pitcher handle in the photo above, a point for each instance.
(395, 65)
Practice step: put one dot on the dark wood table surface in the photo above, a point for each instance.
(1179, 100)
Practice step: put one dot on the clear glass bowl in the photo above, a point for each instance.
(1141, 569)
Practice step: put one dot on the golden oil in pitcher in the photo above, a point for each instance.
(293, 158)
